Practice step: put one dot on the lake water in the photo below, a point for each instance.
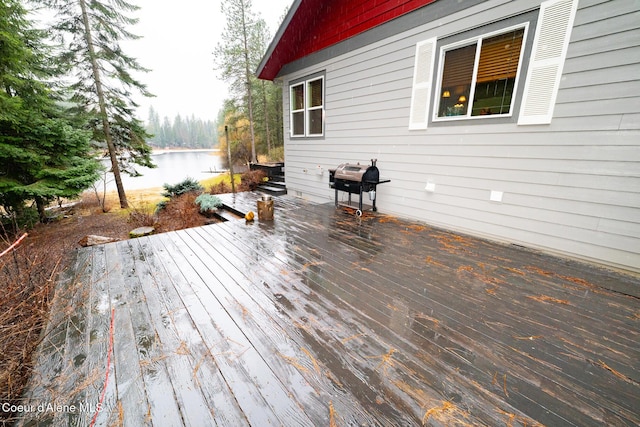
(172, 168)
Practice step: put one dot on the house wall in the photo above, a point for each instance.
(571, 187)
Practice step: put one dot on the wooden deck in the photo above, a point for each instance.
(323, 319)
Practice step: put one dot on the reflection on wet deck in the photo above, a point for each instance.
(323, 319)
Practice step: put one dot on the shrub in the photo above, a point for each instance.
(180, 212)
(221, 187)
(251, 180)
(28, 276)
(186, 186)
(25, 219)
(141, 217)
(208, 202)
(277, 154)
(161, 205)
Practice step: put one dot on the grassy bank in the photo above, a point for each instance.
(148, 198)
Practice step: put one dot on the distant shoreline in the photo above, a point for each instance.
(156, 151)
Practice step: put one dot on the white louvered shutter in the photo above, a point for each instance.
(547, 59)
(422, 78)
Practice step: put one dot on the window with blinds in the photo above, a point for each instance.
(479, 76)
(307, 108)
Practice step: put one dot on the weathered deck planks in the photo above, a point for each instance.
(321, 318)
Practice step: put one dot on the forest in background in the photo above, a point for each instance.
(251, 115)
(187, 132)
(67, 98)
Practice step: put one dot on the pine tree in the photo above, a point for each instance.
(237, 56)
(90, 33)
(154, 127)
(168, 140)
(180, 131)
(42, 155)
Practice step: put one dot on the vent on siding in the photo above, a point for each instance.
(547, 59)
(422, 77)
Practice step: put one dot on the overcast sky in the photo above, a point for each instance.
(177, 45)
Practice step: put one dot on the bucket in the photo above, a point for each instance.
(265, 208)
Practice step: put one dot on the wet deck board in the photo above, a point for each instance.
(321, 318)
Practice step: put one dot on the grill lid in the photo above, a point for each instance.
(358, 172)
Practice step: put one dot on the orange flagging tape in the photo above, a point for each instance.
(16, 243)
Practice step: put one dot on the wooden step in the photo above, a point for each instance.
(273, 188)
(225, 214)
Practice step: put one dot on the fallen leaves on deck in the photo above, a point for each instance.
(452, 243)
(352, 337)
(616, 373)
(546, 298)
(388, 218)
(524, 421)
(425, 317)
(332, 416)
(312, 264)
(429, 260)
(183, 349)
(313, 359)
(387, 360)
(574, 280)
(448, 414)
(294, 362)
(495, 382)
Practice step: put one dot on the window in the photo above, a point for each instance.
(478, 77)
(297, 110)
(307, 108)
(479, 73)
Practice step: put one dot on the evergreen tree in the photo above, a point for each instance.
(153, 127)
(244, 43)
(168, 140)
(237, 55)
(180, 131)
(42, 155)
(269, 117)
(90, 32)
(190, 132)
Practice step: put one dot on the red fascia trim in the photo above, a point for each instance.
(368, 15)
(293, 37)
(318, 24)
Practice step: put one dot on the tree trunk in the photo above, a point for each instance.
(248, 83)
(42, 214)
(103, 108)
(266, 117)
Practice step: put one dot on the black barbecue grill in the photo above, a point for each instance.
(356, 179)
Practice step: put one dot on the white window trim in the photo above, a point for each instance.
(467, 42)
(306, 109)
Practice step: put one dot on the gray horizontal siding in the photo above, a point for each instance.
(571, 187)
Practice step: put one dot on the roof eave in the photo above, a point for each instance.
(269, 66)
